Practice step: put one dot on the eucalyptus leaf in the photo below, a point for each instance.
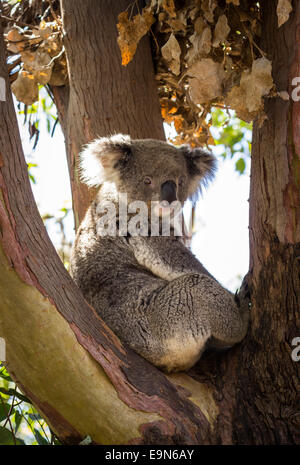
(7, 438)
(40, 439)
(14, 392)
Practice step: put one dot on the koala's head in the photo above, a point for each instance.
(147, 169)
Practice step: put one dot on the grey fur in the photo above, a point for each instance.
(152, 291)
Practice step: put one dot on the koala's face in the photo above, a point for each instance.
(146, 169)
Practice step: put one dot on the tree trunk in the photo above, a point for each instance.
(271, 377)
(104, 97)
(258, 382)
(247, 395)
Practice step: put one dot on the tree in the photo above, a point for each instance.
(247, 395)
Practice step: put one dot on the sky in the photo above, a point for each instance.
(220, 241)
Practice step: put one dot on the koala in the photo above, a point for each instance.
(150, 289)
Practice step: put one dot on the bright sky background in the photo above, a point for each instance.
(221, 238)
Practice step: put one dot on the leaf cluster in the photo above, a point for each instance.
(20, 423)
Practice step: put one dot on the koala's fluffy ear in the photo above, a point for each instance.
(102, 159)
(201, 167)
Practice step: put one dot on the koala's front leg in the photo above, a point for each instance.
(189, 312)
(165, 257)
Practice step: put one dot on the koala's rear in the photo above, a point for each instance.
(149, 288)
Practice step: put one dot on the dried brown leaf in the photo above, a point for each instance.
(59, 75)
(208, 6)
(168, 5)
(283, 10)
(14, 34)
(168, 108)
(205, 80)
(201, 45)
(236, 101)
(179, 23)
(155, 5)
(25, 88)
(15, 38)
(257, 83)
(284, 95)
(200, 25)
(16, 48)
(38, 63)
(52, 45)
(221, 31)
(131, 32)
(171, 52)
(178, 123)
(45, 29)
(246, 98)
(193, 12)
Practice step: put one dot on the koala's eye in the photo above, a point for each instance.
(147, 180)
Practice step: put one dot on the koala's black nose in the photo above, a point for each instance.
(168, 191)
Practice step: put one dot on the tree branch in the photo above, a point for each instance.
(43, 315)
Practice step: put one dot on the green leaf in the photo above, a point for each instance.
(4, 409)
(40, 439)
(32, 165)
(240, 165)
(32, 178)
(18, 420)
(231, 133)
(7, 438)
(5, 375)
(12, 392)
(34, 416)
(43, 102)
